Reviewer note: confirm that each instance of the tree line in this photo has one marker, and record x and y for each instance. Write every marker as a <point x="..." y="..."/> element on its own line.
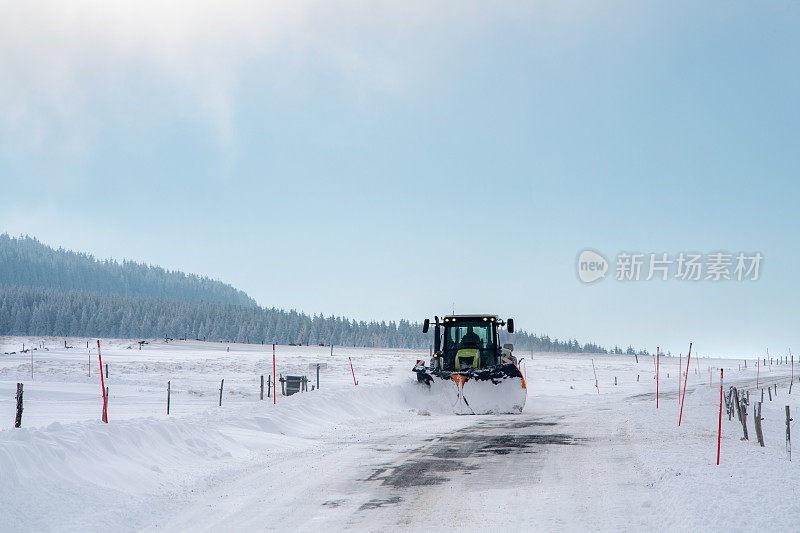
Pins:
<point x="50" y="312"/>
<point x="49" y="292"/>
<point x="26" y="262"/>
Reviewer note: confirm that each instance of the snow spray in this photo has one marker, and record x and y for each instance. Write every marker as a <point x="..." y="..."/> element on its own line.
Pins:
<point x="685" y="379"/>
<point x="102" y="384"/>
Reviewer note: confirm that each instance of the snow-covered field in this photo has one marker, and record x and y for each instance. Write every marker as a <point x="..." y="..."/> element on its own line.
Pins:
<point x="385" y="454"/>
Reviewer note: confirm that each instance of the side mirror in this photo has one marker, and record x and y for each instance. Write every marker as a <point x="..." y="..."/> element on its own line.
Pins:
<point x="510" y="325"/>
<point x="509" y="347"/>
<point x="426" y="325"/>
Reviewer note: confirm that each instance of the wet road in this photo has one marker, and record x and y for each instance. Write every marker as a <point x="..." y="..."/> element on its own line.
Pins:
<point x="497" y="454"/>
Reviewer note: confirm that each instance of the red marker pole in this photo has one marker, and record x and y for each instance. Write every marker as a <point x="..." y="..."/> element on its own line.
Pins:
<point x="274" y="383"/>
<point x="102" y="384"/>
<point x="595" y="378"/>
<point x="719" y="431"/>
<point x="353" y="372"/>
<point x="658" y="353"/>
<point x="685" y="379"/>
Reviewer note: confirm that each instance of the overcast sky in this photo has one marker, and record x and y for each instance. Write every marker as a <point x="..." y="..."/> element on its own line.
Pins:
<point x="400" y="159"/>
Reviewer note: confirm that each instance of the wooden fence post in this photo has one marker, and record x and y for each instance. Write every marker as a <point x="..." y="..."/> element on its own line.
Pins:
<point x="168" y="394"/>
<point x="743" y="405"/>
<point x="741" y="412"/>
<point x="269" y="386"/>
<point x="221" y="384"/>
<point x="769" y="391"/>
<point x="758" y="419"/>
<point x="729" y="403"/>
<point x="788" y="435"/>
<point x="18" y="419"/>
<point x="106" y="370"/>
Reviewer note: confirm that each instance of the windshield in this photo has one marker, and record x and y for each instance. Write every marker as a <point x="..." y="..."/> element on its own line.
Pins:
<point x="469" y="334"/>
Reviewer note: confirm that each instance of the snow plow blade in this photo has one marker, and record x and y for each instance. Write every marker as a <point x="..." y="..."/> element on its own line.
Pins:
<point x="497" y="390"/>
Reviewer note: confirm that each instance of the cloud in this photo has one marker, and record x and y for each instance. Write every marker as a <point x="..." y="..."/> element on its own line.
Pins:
<point x="72" y="68"/>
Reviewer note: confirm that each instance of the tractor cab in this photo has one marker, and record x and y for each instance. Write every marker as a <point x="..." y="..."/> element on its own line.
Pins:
<point x="468" y="341"/>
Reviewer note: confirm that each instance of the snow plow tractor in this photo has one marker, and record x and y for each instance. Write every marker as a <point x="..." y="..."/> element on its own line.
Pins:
<point x="470" y="367"/>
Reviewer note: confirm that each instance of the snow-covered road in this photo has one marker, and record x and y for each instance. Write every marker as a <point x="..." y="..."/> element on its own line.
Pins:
<point x="383" y="455"/>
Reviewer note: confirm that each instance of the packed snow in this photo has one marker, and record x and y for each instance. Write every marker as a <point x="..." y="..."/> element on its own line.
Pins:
<point x="386" y="453"/>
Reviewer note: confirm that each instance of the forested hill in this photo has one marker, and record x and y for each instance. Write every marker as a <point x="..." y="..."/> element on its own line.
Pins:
<point x="61" y="293"/>
<point x="26" y="262"/>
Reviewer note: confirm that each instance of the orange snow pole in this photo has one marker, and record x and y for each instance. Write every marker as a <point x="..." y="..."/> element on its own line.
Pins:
<point x="685" y="379"/>
<point x="719" y="431"/>
<point x="102" y="384"/>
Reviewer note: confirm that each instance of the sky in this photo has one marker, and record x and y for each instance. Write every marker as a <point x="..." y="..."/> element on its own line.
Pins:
<point x="397" y="160"/>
